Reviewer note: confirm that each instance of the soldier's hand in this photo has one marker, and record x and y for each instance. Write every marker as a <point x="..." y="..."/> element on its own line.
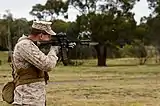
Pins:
<point x="56" y="49"/>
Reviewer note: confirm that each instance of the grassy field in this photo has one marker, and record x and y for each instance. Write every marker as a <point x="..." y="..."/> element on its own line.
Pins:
<point x="122" y="83"/>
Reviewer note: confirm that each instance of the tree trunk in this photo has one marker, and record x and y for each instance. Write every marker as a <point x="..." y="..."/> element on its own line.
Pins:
<point x="101" y="54"/>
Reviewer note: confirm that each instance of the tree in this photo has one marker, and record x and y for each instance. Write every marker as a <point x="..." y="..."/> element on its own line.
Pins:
<point x="52" y="9"/>
<point x="3" y="35"/>
<point x="142" y="33"/>
<point x="155" y="6"/>
<point x="60" y="26"/>
<point x="18" y="28"/>
<point x="8" y="20"/>
<point x="108" y="27"/>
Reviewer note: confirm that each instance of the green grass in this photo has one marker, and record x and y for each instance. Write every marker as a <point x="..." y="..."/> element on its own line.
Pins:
<point x="105" y="86"/>
<point x="122" y="83"/>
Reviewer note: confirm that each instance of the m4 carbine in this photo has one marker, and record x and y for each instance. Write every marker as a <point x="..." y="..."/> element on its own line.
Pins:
<point x="64" y="43"/>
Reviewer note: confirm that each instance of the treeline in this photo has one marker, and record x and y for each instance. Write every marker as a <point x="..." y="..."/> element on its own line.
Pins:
<point x="108" y="22"/>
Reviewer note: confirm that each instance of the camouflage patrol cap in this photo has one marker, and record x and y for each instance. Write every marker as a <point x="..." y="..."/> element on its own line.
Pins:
<point x="43" y="25"/>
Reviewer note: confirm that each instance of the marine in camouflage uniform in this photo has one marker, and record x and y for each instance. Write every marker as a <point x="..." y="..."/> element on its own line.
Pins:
<point x="27" y="54"/>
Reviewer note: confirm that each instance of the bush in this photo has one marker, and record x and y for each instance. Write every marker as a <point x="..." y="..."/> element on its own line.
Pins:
<point x="82" y="52"/>
<point x="125" y="52"/>
<point x="136" y="50"/>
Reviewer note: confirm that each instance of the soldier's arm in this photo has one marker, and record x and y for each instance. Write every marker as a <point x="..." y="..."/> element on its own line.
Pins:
<point x="31" y="53"/>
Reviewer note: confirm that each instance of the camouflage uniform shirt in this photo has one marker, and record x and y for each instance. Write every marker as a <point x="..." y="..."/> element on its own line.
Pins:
<point x="26" y="53"/>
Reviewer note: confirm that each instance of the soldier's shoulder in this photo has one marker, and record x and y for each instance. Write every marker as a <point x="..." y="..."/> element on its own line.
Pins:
<point x="24" y="43"/>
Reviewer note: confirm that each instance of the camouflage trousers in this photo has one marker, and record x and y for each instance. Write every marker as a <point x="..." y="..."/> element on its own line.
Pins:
<point x="33" y="94"/>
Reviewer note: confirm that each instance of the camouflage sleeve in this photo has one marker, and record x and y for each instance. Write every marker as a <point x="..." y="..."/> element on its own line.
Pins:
<point x="31" y="53"/>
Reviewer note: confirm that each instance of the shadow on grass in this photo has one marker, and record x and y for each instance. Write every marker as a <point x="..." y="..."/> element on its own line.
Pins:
<point x="127" y="65"/>
<point x="120" y="65"/>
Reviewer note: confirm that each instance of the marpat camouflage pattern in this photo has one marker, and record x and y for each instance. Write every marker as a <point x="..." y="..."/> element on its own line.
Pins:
<point x="26" y="54"/>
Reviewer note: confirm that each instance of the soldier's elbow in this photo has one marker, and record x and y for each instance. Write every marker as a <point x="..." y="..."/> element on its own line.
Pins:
<point x="51" y="66"/>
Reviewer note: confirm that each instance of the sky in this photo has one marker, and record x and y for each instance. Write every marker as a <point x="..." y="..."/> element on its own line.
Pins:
<point x="21" y="9"/>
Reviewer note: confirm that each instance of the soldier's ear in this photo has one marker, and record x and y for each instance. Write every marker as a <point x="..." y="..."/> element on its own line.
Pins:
<point x="41" y="36"/>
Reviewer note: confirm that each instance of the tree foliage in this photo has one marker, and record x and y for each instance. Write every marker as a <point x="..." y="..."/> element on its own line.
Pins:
<point x="51" y="8"/>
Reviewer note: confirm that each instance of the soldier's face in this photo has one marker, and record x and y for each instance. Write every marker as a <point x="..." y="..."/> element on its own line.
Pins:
<point x="45" y="37"/>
